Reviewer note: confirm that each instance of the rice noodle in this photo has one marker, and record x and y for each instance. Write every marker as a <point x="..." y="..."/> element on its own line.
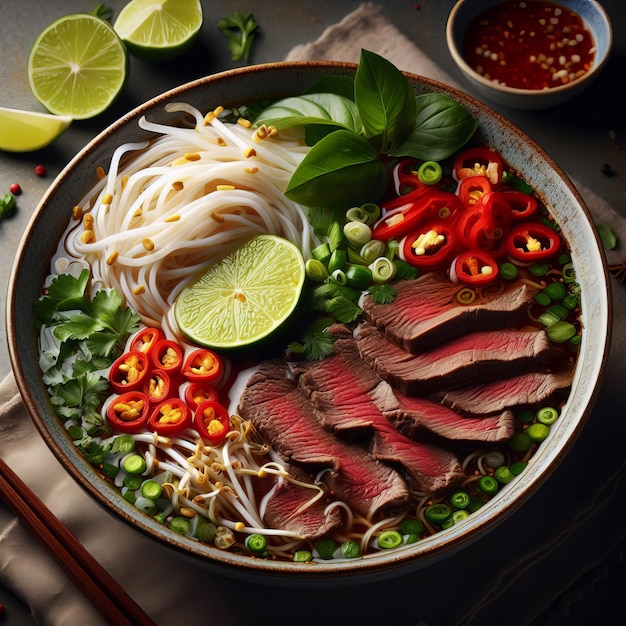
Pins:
<point x="170" y="208"/>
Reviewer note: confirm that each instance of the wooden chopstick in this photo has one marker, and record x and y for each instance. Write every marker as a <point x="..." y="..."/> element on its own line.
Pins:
<point x="96" y="583"/>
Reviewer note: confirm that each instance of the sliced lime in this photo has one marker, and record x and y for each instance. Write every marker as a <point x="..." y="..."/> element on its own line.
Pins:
<point x="77" y="66"/>
<point x="159" y="30"/>
<point x="245" y="297"/>
<point x="25" y="131"/>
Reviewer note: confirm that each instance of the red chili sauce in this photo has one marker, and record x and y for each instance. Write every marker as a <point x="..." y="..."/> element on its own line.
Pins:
<point x="529" y="45"/>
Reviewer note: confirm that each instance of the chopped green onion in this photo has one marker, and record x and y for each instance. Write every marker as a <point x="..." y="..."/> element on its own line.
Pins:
<point x="494" y="458"/>
<point x="372" y="210"/>
<point x="76" y="432"/>
<point x="538" y="269"/>
<point x="383" y="270"/>
<point x="339" y="277"/>
<point x="561" y="331"/>
<point x="389" y="539"/>
<point x="508" y="271"/>
<point x="321" y="252"/>
<point x="429" y="173"/>
<point x="337" y="260"/>
<point x="487" y="485"/>
<point x="517" y="467"/>
<point x="350" y="549"/>
<point x="357" y="214"/>
<point x="538" y="432"/>
<point x="326" y="548"/>
<point x="256" y="543"/>
<point x="553" y="314"/>
<point x="570" y="301"/>
<point x="525" y="416"/>
<point x="547" y="415"/>
<point x="503" y="475"/>
<point x="569" y="273"/>
<point x="128" y="495"/>
<point x="460" y="499"/>
<point x="205" y="531"/>
<point x="357" y="233"/>
<point x="180" y="525"/>
<point x="146" y="505"/>
<point x="437" y="513"/>
<point x="555" y="291"/>
<point x="459" y="516"/>
<point x="123" y="444"/>
<point x="302" y="556"/>
<point x="134" y="464"/>
<point x="411" y="526"/>
<point x="542" y="298"/>
<point x="316" y="270"/>
<point x="372" y="250"/>
<point x="224" y="537"/>
<point x="358" y="277"/>
<point x="132" y="482"/>
<point x="151" y="489"/>
<point x="520" y="442"/>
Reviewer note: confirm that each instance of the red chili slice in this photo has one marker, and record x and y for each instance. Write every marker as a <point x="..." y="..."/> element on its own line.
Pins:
<point x="203" y="365"/>
<point x="128" y="412"/>
<point x="522" y="204"/>
<point x="212" y="422"/>
<point x="479" y="161"/>
<point x="129" y="371"/>
<point x="431" y="246"/>
<point x="197" y="393"/>
<point x="157" y="386"/>
<point x="475" y="267"/>
<point x="145" y="339"/>
<point x="168" y="356"/>
<point x="406" y="184"/>
<point x="434" y="205"/>
<point x="170" y="417"/>
<point x="472" y="188"/>
<point x="532" y="241"/>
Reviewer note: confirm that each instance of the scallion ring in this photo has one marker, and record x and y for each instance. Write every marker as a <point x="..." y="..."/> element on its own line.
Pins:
<point x="372" y="250"/>
<point x="316" y="270"/>
<point x="383" y="270"/>
<point x="357" y="233"/>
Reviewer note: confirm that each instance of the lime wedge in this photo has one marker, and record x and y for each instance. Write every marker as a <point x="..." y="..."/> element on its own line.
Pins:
<point x="159" y="30"/>
<point x="25" y="131"/>
<point x="245" y="297"/>
<point x="77" y="66"/>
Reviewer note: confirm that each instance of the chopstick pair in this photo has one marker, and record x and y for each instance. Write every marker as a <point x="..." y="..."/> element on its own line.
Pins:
<point x="95" y="582"/>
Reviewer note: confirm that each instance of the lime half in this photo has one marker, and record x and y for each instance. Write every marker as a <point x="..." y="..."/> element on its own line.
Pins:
<point x="77" y="66"/>
<point x="25" y="131"/>
<point x="245" y="297"/>
<point x="159" y="30"/>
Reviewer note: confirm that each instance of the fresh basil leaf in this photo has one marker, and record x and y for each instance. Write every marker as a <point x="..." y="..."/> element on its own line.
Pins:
<point x="316" y="108"/>
<point x="385" y="100"/>
<point x="442" y="126"/>
<point x="340" y="85"/>
<point x="341" y="170"/>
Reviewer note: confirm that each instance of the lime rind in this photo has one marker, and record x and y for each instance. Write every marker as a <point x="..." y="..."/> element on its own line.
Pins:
<point x="246" y="297"/>
<point x="159" y="31"/>
<point x="27" y="131"/>
<point x="77" y="66"/>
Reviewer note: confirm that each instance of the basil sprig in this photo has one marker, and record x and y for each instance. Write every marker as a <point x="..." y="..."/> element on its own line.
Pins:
<point x="356" y="127"/>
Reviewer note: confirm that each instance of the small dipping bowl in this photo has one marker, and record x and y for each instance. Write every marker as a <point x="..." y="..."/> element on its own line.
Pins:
<point x="596" y="21"/>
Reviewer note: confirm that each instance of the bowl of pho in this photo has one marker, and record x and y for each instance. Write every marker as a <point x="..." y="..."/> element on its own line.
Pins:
<point x="291" y="332"/>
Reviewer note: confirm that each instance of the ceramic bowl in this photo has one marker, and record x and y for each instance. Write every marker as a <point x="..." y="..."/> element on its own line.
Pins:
<point x="596" y="20"/>
<point x="274" y="81"/>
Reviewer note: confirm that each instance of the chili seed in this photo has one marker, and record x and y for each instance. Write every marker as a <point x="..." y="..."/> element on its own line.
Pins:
<point x="41" y="170"/>
<point x="15" y="189"/>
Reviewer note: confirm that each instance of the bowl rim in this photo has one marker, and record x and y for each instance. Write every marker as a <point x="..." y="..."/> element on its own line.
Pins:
<point x="431" y="549"/>
<point x="459" y="59"/>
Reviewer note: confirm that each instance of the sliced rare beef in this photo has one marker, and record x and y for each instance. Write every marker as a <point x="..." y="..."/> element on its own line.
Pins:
<point x="283" y="416"/>
<point x="289" y="508"/>
<point x="425" y="312"/>
<point x="346" y="394"/>
<point x="474" y="358"/>
<point x="422" y="419"/>
<point x="525" y="389"/>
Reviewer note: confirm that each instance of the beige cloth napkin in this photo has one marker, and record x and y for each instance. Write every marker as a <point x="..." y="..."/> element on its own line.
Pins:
<point x="173" y="591"/>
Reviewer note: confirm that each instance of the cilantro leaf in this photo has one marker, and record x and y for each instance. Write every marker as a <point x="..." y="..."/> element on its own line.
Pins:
<point x="382" y="294"/>
<point x="240" y="29"/>
<point x="7" y="205"/>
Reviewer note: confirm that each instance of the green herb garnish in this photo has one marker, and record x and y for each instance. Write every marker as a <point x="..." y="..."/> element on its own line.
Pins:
<point x="354" y="139"/>
<point x="240" y="29"/>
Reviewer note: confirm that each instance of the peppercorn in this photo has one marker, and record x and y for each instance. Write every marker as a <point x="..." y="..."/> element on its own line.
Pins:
<point x="41" y="170"/>
<point x="15" y="189"/>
